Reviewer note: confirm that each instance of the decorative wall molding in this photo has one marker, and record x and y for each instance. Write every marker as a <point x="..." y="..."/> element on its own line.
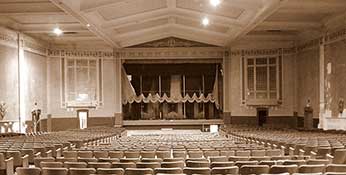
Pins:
<point x="169" y="53"/>
<point x="34" y="45"/>
<point x="262" y="52"/>
<point x="335" y="36"/>
<point x="8" y="38"/>
<point x="172" y="42"/>
<point x="80" y="53"/>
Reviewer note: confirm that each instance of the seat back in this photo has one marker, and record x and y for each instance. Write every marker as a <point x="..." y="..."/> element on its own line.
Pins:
<point x="139" y="171"/>
<point x="54" y="171"/>
<point x="116" y="171"/>
<point x="311" y="169"/>
<point x="75" y="164"/>
<point x="276" y="169"/>
<point x="191" y="170"/>
<point x="169" y="170"/>
<point x="51" y="164"/>
<point x="225" y="170"/>
<point x="82" y="171"/>
<point x="254" y="169"/>
<point x="28" y="171"/>
<point x="151" y="165"/>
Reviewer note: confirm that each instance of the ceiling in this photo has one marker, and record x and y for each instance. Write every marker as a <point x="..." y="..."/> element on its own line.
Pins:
<point x="124" y="23"/>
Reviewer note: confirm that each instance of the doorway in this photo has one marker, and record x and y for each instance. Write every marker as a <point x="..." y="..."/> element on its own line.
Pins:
<point x="83" y="116"/>
<point x="262" y="114"/>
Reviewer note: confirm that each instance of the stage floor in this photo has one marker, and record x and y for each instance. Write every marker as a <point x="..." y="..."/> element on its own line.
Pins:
<point x="172" y="122"/>
<point x="163" y="132"/>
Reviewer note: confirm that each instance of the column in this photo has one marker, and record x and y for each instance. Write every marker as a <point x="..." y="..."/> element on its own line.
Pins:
<point x="322" y="93"/>
<point x="227" y="86"/>
<point x="118" y="122"/>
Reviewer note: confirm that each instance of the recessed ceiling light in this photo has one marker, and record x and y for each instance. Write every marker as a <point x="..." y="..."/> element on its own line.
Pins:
<point x="215" y="3"/>
<point x="205" y="21"/>
<point x="57" y="31"/>
<point x="88" y="25"/>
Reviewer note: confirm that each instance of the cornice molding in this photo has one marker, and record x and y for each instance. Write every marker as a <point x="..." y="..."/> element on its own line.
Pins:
<point x="169" y="53"/>
<point x="80" y="53"/>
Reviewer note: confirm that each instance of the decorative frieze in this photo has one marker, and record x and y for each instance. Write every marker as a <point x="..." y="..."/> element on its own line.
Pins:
<point x="163" y="53"/>
<point x="80" y="53"/>
<point x="172" y="42"/>
<point x="8" y="38"/>
<point x="35" y="46"/>
<point x="336" y="36"/>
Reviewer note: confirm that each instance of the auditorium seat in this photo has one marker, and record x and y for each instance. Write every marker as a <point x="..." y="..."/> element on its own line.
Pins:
<point x="99" y="165"/>
<point x="225" y="170"/>
<point x="44" y="164"/>
<point x="339" y="156"/>
<point x="175" y="170"/>
<point x="318" y="162"/>
<point x="177" y="164"/>
<point x="116" y="154"/>
<point x="132" y="154"/>
<point x="218" y="159"/>
<point x="163" y="154"/>
<point x="254" y="169"/>
<point x="311" y="168"/>
<point x="116" y="171"/>
<point x="85" y="154"/>
<point x="241" y="163"/>
<point x="191" y="171"/>
<point x="179" y="154"/>
<point x="28" y="171"/>
<point x="82" y="171"/>
<point x="55" y="171"/>
<point x="197" y="164"/>
<point x="123" y="165"/>
<point x="38" y="160"/>
<point x="148" y="154"/>
<point x="100" y="154"/>
<point x="159" y="160"/>
<point x="277" y="169"/>
<point x="151" y="165"/>
<point x="75" y="164"/>
<point x="195" y="154"/>
<point x="221" y="164"/>
<point x="336" y="168"/>
<point x="138" y="171"/>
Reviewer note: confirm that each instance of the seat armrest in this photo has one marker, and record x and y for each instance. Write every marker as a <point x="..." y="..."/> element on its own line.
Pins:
<point x="9" y="166"/>
<point x="25" y="160"/>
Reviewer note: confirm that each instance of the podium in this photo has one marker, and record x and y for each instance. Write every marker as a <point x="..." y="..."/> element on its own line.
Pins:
<point x="308" y="118"/>
<point x="118" y="120"/>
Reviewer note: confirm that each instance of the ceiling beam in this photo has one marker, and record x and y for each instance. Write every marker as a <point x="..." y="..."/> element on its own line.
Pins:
<point x="287" y="25"/>
<point x="271" y="6"/>
<point x="136" y="17"/>
<point x="30" y="13"/>
<point x="144" y="31"/>
<point x="93" y="27"/>
<point x="218" y="18"/>
<point x="200" y="30"/>
<point x="244" y="4"/>
<point x="144" y="39"/>
<point x="97" y="4"/>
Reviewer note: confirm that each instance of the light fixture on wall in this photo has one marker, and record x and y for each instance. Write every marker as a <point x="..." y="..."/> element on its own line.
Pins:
<point x="215" y="3"/>
<point x="57" y="31"/>
<point x="205" y="21"/>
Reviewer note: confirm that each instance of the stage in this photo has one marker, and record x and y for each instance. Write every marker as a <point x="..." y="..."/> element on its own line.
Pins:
<point x="177" y="124"/>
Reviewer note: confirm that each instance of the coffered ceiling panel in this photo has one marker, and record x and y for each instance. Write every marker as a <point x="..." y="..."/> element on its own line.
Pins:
<point x="141" y="25"/>
<point x="124" y="23"/>
<point x="205" y="8"/>
<point x="127" y="8"/>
